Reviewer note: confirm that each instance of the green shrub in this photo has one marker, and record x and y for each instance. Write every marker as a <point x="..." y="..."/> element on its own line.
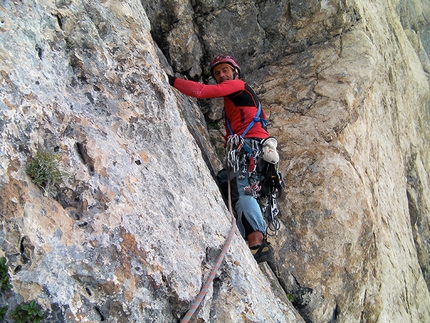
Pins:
<point x="4" y="276"/>
<point x="44" y="172"/>
<point x="24" y="313"/>
<point x="28" y="312"/>
<point x="3" y="311"/>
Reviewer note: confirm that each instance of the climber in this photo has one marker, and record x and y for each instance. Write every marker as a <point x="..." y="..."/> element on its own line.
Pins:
<point x="245" y="123"/>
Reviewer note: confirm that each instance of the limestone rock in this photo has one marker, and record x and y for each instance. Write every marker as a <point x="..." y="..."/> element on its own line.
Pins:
<point x="347" y="93"/>
<point x="139" y="221"/>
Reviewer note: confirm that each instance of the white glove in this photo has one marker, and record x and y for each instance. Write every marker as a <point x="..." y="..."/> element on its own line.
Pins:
<point x="270" y="154"/>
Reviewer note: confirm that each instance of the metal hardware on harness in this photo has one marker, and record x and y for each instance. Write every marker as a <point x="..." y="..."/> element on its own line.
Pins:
<point x="253" y="189"/>
<point x="233" y="148"/>
<point x="271" y="212"/>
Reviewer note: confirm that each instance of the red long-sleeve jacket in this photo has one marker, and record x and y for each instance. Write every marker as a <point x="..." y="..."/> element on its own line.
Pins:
<point x="240" y="104"/>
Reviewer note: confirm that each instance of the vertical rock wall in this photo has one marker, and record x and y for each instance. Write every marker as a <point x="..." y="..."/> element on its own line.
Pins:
<point x="346" y="87"/>
<point x="138" y="222"/>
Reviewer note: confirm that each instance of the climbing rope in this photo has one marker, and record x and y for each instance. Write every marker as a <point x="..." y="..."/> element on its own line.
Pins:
<point x="211" y="276"/>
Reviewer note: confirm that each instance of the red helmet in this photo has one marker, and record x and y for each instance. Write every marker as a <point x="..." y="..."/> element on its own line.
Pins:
<point x="224" y="59"/>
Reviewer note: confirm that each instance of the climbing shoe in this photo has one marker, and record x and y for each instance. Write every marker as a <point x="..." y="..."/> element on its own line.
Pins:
<point x="262" y="252"/>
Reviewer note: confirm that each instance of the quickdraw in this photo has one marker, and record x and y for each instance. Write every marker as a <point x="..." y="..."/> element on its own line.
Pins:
<point x="233" y="148"/>
<point x="271" y="213"/>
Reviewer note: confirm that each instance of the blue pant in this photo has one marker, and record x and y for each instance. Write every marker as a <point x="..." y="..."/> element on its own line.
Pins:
<point x="246" y="206"/>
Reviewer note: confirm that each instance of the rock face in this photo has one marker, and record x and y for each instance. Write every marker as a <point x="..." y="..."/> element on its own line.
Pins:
<point x="139" y="221"/>
<point x="136" y="226"/>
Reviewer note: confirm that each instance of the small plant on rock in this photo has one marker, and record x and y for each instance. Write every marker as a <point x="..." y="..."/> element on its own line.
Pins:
<point x="24" y="313"/>
<point x="4" y="276"/>
<point x="3" y="311"/>
<point x="44" y="172"/>
<point x="28" y="312"/>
